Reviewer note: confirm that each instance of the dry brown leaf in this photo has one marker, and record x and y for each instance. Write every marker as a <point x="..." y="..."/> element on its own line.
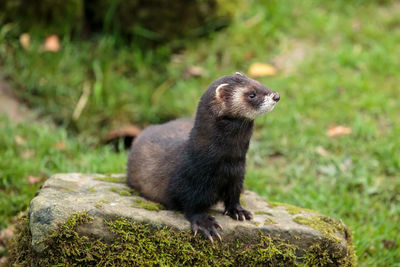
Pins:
<point x="33" y="179"/>
<point x="6" y="235"/>
<point x="389" y="243"/>
<point x="4" y="261"/>
<point x="338" y="130"/>
<point x="261" y="69"/>
<point x="194" y="71"/>
<point x="59" y="146"/>
<point x="321" y="151"/>
<point x="127" y="130"/>
<point x="125" y="133"/>
<point x="25" y="40"/>
<point x="19" y="140"/>
<point x="26" y="154"/>
<point x="52" y="43"/>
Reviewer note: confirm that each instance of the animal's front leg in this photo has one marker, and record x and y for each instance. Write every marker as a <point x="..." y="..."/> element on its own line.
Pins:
<point x="232" y="204"/>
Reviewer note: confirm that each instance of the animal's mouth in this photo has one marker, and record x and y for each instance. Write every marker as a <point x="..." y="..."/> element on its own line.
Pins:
<point x="269" y="103"/>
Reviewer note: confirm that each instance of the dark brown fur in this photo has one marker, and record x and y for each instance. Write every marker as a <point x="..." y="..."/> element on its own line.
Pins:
<point x="190" y="166"/>
<point x="154" y="157"/>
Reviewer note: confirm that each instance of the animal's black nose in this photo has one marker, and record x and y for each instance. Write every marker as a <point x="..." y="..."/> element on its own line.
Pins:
<point x="276" y="97"/>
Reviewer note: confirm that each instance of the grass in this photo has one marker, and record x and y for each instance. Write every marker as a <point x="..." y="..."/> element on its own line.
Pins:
<point x="31" y="150"/>
<point x="337" y="64"/>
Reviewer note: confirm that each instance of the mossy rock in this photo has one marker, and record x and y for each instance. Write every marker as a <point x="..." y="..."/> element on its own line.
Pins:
<point x="104" y="227"/>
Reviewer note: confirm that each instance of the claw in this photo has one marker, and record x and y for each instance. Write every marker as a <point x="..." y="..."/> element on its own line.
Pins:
<point x="237" y="217"/>
<point x="218" y="226"/>
<point x="207" y="226"/>
<point x="195" y="228"/>
<point x="219" y="237"/>
<point x="242" y="217"/>
<point x="225" y="212"/>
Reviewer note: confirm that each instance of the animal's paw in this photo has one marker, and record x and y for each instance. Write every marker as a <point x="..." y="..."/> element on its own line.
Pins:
<point x="206" y="225"/>
<point x="238" y="213"/>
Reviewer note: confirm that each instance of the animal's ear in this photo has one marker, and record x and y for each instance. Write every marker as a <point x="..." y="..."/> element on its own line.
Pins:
<point x="240" y="74"/>
<point x="220" y="91"/>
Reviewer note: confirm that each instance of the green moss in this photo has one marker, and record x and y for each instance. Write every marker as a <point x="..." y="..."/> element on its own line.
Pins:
<point x="134" y="192"/>
<point x="125" y="193"/>
<point x="20" y="251"/>
<point x="92" y="190"/>
<point x="351" y="258"/>
<point x="243" y="203"/>
<point x="293" y="210"/>
<point x="269" y="221"/>
<point x="135" y="244"/>
<point x="325" y="253"/>
<point x="99" y="206"/>
<point x="255" y="223"/>
<point x="147" y="205"/>
<point x="110" y="179"/>
<point x="104" y="201"/>
<point x="261" y="212"/>
<point x="328" y="226"/>
<point x="69" y="189"/>
<point x="114" y="189"/>
<point x="317" y="256"/>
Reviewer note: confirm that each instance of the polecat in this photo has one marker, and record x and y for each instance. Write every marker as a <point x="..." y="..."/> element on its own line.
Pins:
<point x="190" y="166"/>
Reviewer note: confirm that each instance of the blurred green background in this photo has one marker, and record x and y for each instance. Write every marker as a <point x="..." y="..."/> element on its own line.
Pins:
<point x="332" y="144"/>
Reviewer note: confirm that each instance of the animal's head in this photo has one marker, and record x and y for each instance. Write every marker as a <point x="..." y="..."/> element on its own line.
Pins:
<point x="240" y="96"/>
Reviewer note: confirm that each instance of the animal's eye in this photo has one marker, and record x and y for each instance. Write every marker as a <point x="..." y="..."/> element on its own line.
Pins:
<point x="252" y="95"/>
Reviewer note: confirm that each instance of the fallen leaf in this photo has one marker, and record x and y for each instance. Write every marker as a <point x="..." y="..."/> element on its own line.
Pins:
<point x="261" y="69"/>
<point x="6" y="235"/>
<point x="338" y="130"/>
<point x="25" y="40"/>
<point x="321" y="151"/>
<point x="127" y="130"/>
<point x="26" y="154"/>
<point x="4" y="261"/>
<point x="194" y="71"/>
<point x="33" y="180"/>
<point x="52" y="43"/>
<point x="59" y="146"/>
<point x="388" y="244"/>
<point x="19" y="140"/>
<point x="127" y="133"/>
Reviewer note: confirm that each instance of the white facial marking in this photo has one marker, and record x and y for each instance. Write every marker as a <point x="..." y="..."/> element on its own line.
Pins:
<point x="268" y="104"/>
<point x="237" y="97"/>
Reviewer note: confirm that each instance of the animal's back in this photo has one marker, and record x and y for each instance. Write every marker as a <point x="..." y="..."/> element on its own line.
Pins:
<point x="154" y="156"/>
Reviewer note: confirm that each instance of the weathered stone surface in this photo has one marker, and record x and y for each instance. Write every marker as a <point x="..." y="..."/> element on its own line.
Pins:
<point x="108" y="197"/>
